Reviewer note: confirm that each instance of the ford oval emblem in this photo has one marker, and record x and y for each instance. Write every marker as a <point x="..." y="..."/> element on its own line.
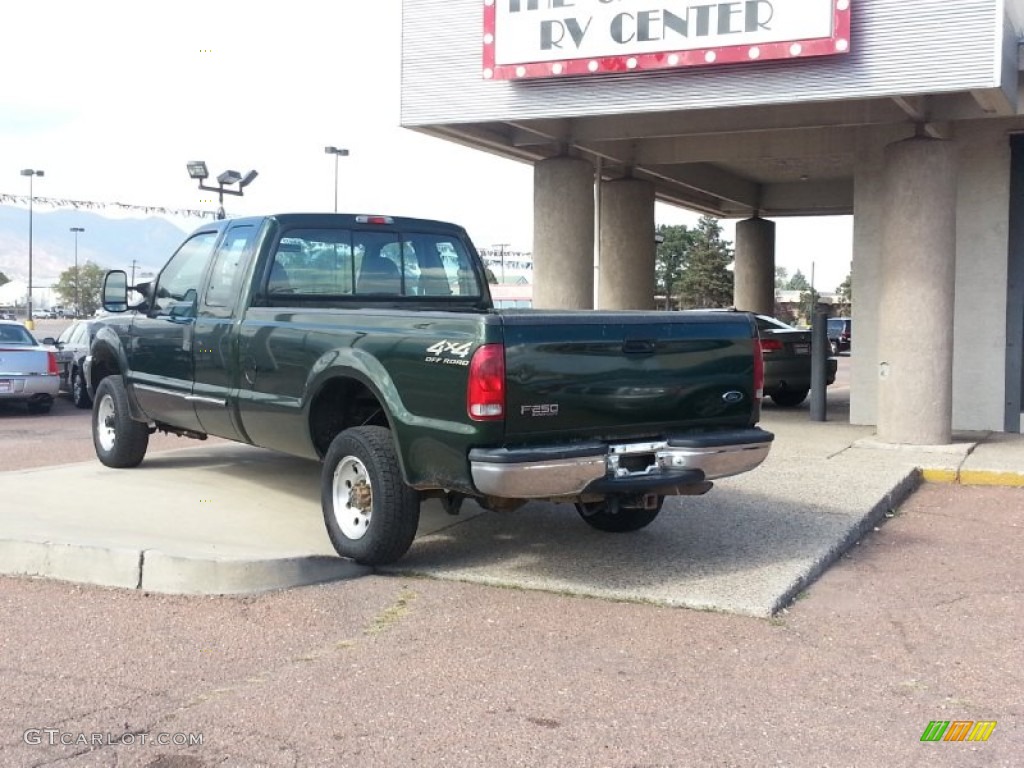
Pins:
<point x="732" y="396"/>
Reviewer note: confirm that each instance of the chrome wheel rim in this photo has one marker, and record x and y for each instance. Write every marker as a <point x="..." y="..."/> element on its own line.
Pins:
<point x="353" y="498"/>
<point x="76" y="387"/>
<point x="105" y="432"/>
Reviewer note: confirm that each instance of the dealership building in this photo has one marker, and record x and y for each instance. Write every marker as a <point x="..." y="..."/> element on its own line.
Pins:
<point x="905" y="114"/>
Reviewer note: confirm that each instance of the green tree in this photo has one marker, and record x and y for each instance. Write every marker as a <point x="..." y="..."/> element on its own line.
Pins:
<point x="90" y="284"/>
<point x="781" y="277"/>
<point x="798" y="282"/>
<point x="844" y="291"/>
<point x="706" y="280"/>
<point x="670" y="260"/>
<point x="4" y="279"/>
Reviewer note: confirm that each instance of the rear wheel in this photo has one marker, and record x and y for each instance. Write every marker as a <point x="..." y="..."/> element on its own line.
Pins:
<point x="603" y="517"/>
<point x="79" y="393"/>
<point x="790" y="397"/>
<point x="119" y="440"/>
<point x="370" y="513"/>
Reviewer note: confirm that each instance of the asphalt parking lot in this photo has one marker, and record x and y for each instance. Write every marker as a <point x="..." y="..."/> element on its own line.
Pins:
<point x="918" y="622"/>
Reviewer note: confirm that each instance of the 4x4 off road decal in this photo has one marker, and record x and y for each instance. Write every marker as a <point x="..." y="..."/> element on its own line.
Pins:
<point x="449" y="353"/>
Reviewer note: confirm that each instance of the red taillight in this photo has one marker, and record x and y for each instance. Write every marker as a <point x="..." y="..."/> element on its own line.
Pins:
<point x="51" y="364"/>
<point x="485" y="393"/>
<point x="759" y="367"/>
<point x="771" y="345"/>
<point x="375" y="220"/>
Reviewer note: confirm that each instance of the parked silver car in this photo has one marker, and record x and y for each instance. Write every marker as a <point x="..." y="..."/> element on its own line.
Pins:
<point x="28" y="369"/>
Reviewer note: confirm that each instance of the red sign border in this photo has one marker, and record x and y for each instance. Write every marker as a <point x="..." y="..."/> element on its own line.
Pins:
<point x="837" y="43"/>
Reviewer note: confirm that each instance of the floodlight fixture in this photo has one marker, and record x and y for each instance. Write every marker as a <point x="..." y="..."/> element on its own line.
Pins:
<point x="336" y="151"/>
<point x="197" y="170"/>
<point x="229" y="177"/>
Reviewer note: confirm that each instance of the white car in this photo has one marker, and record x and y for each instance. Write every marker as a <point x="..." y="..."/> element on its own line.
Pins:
<point x="28" y="369"/>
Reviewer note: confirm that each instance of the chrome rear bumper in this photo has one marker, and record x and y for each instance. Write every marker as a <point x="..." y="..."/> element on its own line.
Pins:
<point x="623" y="467"/>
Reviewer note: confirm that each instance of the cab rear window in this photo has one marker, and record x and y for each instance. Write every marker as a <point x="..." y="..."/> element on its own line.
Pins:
<point x="328" y="263"/>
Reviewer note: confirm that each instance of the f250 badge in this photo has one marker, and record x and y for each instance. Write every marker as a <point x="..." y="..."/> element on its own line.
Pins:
<point x="545" y="409"/>
<point x="439" y="353"/>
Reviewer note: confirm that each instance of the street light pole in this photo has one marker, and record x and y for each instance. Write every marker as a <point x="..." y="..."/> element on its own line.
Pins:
<point x="76" y="230"/>
<point x="337" y="152"/>
<point x="31" y="173"/>
<point x="501" y="247"/>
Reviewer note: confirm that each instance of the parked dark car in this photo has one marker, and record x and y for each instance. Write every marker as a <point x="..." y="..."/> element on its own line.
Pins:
<point x="72" y="347"/>
<point x="839" y="334"/>
<point x="787" y="361"/>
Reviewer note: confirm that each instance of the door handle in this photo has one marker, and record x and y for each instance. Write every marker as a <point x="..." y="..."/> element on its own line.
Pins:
<point x="638" y="347"/>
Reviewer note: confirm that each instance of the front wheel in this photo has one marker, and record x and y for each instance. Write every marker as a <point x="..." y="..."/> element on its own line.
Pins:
<point x="600" y="515"/>
<point x="370" y="513"/>
<point x="79" y="393"/>
<point x="119" y="440"/>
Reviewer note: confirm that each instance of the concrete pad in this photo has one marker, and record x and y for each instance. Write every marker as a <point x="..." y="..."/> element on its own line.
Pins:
<point x="228" y="519"/>
<point x="998" y="460"/>
<point x="220" y="519"/>
<point x="748" y="547"/>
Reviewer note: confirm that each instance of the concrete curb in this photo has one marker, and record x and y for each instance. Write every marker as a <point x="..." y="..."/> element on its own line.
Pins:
<point x="155" y="571"/>
<point x="81" y="563"/>
<point x="973" y="477"/>
<point x="181" y="575"/>
<point x="893" y="499"/>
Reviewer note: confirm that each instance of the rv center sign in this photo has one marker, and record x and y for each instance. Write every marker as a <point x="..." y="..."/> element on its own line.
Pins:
<point x="551" y="38"/>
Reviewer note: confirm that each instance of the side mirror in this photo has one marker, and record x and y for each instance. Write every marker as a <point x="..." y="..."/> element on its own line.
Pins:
<point x="49" y="341"/>
<point x="115" y="291"/>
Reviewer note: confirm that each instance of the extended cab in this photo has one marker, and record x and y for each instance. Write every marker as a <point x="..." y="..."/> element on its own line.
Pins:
<point x="370" y="343"/>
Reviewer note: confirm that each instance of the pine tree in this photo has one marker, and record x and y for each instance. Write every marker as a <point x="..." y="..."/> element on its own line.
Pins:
<point x="670" y="260"/>
<point x="706" y="280"/>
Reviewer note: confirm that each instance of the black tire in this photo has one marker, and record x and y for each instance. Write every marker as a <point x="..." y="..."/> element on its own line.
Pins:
<point x="370" y="513"/>
<point x="38" y="408"/>
<point x="119" y="440"/>
<point x="596" y="515"/>
<point x="789" y="398"/>
<point x="79" y="392"/>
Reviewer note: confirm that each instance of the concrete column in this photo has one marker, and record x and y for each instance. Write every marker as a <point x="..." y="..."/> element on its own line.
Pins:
<point x="563" y="234"/>
<point x="868" y="217"/>
<point x="754" y="272"/>
<point x="915" y="329"/>
<point x="627" y="245"/>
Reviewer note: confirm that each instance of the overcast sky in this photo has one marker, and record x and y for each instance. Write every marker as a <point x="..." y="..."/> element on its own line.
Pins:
<point x="111" y="99"/>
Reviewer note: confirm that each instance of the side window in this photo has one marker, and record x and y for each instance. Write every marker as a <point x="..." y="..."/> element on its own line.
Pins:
<point x="225" y="275"/>
<point x="66" y="334"/>
<point x="177" y="287"/>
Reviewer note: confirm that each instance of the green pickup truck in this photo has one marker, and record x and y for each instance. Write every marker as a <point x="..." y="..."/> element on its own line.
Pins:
<point x="370" y="343"/>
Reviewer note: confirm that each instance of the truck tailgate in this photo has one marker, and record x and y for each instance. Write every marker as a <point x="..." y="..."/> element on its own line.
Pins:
<point x="626" y="374"/>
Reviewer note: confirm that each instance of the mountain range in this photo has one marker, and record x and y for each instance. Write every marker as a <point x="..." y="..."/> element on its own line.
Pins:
<point x="108" y="242"/>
